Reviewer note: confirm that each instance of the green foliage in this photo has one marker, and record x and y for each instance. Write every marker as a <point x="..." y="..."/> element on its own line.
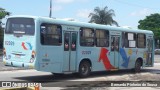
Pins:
<point x="3" y="13"/>
<point x="103" y="16"/>
<point x="151" y="22"/>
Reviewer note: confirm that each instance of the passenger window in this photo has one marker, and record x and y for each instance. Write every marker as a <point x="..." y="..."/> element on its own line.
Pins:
<point x="130" y="40"/>
<point x="141" y="40"/>
<point x="86" y="37"/>
<point x="51" y="34"/>
<point x="102" y="38"/>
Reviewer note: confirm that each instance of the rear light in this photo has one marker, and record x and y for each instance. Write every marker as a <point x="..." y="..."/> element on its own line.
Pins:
<point x="4" y="52"/>
<point x="32" y="56"/>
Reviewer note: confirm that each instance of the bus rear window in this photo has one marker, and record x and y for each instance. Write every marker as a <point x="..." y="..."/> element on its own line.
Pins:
<point x="25" y="26"/>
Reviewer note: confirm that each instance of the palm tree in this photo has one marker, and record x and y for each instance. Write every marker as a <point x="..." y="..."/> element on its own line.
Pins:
<point x="103" y="16"/>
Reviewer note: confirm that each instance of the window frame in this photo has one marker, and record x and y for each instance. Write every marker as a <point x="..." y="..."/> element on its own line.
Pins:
<point x="126" y="41"/>
<point x="143" y="39"/>
<point x="50" y="34"/>
<point x="12" y="31"/>
<point x="93" y="38"/>
<point x="107" y="38"/>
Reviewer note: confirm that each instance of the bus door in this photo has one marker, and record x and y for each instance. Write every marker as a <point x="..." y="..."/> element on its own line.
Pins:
<point x="114" y="50"/>
<point x="70" y="44"/>
<point x="149" y="60"/>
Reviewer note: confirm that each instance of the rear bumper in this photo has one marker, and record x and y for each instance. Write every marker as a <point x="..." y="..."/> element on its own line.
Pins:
<point x="18" y="64"/>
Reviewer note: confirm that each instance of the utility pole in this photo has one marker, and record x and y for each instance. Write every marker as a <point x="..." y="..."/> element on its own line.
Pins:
<point x="50" y="12"/>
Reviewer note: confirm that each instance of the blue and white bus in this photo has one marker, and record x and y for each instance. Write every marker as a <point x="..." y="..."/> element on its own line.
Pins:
<point x="61" y="47"/>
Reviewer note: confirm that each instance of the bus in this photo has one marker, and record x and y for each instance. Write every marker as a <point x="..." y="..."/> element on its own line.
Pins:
<point x="65" y="47"/>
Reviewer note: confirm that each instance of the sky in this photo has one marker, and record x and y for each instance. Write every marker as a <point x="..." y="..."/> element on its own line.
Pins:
<point x="127" y="12"/>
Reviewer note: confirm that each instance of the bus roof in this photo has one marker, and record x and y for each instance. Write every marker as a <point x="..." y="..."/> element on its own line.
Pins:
<point x="83" y="24"/>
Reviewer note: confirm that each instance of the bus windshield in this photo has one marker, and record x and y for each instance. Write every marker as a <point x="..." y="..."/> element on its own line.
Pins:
<point x="25" y="26"/>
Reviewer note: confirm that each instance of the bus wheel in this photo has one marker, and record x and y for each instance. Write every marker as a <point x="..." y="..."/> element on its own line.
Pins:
<point x="137" y="68"/>
<point x="84" y="69"/>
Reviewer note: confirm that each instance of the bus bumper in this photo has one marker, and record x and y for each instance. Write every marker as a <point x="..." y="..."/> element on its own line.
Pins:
<point x="18" y="64"/>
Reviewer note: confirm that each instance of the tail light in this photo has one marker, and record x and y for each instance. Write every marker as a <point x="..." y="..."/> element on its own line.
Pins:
<point x="32" y="56"/>
<point x="4" y="52"/>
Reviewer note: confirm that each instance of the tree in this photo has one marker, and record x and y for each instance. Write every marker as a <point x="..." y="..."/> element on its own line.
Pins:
<point x="151" y="22"/>
<point x="3" y="14"/>
<point x="103" y="16"/>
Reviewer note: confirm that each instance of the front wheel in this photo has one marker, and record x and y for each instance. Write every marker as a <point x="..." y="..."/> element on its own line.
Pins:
<point x="137" y="68"/>
<point x="84" y="69"/>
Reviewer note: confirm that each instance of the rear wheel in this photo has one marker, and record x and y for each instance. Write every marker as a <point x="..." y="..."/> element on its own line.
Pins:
<point x="84" y="69"/>
<point x="137" y="68"/>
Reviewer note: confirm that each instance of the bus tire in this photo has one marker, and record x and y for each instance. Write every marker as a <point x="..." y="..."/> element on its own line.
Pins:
<point x="84" y="69"/>
<point x="137" y="68"/>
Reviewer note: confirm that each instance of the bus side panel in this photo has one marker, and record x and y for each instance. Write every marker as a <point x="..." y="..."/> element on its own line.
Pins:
<point x="50" y="59"/>
<point x="132" y="54"/>
<point x="91" y="53"/>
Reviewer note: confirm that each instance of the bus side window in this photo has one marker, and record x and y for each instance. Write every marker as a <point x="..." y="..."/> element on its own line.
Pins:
<point x="130" y="40"/>
<point x="43" y="32"/>
<point x="141" y="40"/>
<point x="60" y="34"/>
<point x="102" y="38"/>
<point x="87" y="37"/>
<point x="51" y="34"/>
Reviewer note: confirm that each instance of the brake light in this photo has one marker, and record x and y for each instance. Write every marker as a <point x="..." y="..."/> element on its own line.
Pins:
<point x="4" y="51"/>
<point x="33" y="54"/>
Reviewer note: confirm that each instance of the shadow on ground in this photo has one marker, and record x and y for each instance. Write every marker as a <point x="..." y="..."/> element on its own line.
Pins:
<point x="70" y="80"/>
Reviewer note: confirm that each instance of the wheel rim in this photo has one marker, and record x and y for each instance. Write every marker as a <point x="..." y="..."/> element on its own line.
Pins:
<point x="84" y="69"/>
<point x="138" y="66"/>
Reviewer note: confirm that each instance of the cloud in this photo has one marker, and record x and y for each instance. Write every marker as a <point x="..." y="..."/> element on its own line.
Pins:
<point x="143" y="12"/>
<point x="83" y="13"/>
<point x="64" y="1"/>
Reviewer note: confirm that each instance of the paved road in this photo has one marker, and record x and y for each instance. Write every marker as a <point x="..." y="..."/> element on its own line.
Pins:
<point x="47" y="79"/>
<point x="147" y="74"/>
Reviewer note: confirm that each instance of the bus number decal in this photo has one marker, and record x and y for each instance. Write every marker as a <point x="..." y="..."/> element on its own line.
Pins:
<point x="11" y="43"/>
<point x="86" y="52"/>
